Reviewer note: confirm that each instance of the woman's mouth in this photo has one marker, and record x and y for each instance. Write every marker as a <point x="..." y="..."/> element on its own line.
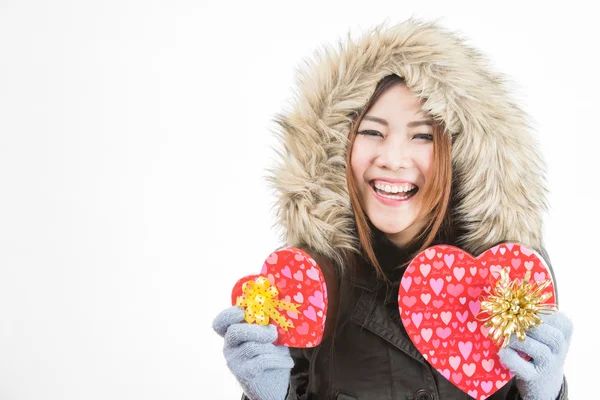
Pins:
<point x="394" y="193"/>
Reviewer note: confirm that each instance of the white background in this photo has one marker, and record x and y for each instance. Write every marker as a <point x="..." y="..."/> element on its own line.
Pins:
<point x="134" y="137"/>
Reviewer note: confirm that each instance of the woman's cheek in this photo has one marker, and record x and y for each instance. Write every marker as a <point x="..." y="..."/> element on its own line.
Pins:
<point x="427" y="160"/>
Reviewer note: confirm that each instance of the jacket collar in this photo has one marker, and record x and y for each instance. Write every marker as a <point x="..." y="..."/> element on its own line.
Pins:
<point x="392" y="259"/>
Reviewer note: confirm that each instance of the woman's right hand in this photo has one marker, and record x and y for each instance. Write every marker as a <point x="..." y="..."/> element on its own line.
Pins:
<point x="261" y="368"/>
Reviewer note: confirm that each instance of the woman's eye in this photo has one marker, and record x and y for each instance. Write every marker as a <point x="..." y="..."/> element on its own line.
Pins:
<point x="424" y="136"/>
<point x="370" y="133"/>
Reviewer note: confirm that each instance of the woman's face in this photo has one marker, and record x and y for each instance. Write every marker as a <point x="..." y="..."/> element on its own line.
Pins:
<point x="391" y="155"/>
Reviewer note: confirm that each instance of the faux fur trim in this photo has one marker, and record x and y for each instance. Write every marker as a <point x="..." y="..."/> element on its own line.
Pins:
<point x="496" y="161"/>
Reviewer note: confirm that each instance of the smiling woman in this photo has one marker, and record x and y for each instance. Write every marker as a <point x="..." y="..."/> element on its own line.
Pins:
<point x="397" y="141"/>
<point x="396" y="147"/>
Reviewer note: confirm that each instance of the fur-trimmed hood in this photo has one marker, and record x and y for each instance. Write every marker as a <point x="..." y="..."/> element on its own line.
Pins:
<point x="497" y="167"/>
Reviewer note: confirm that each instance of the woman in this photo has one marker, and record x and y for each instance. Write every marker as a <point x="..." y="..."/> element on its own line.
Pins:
<point x="397" y="142"/>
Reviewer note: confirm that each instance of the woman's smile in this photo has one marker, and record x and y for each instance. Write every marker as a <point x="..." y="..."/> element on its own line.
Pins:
<point x="393" y="195"/>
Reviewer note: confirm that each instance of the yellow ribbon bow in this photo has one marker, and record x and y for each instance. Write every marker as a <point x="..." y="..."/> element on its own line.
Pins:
<point x="513" y="307"/>
<point x="260" y="303"/>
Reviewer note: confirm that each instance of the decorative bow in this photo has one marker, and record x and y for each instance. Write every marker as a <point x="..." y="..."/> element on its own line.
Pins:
<point x="260" y="303"/>
<point x="513" y="307"/>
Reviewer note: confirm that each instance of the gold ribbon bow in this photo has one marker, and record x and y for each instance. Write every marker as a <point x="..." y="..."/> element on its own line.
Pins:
<point x="260" y="303"/>
<point x="513" y="307"/>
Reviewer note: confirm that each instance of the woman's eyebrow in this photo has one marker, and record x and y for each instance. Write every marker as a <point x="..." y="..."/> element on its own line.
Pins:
<point x="418" y="123"/>
<point x="375" y="119"/>
<point x="410" y="124"/>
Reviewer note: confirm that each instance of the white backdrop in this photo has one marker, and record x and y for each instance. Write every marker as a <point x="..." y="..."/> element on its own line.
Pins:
<point x="134" y="137"/>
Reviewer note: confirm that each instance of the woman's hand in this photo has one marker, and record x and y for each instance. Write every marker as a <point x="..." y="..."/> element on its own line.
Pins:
<point x="261" y="368"/>
<point x="541" y="377"/>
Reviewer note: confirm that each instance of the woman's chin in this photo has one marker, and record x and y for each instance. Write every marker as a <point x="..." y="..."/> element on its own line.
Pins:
<point x="399" y="233"/>
<point x="391" y="229"/>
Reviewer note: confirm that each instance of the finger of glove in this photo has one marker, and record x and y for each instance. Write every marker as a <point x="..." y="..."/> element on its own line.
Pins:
<point x="524" y="370"/>
<point x="560" y="321"/>
<point x="248" y="350"/>
<point x="243" y="332"/>
<point x="253" y="353"/>
<point x="539" y="352"/>
<point x="226" y="318"/>
<point x="549" y="335"/>
<point x="262" y="363"/>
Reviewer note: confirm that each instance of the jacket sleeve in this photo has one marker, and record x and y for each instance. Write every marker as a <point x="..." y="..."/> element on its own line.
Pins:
<point x="513" y="394"/>
<point x="299" y="375"/>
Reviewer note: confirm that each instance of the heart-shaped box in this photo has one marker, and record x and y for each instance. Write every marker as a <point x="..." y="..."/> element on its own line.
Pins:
<point x="439" y="299"/>
<point x="298" y="280"/>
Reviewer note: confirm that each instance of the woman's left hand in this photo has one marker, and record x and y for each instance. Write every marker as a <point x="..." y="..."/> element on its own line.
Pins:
<point x="541" y="377"/>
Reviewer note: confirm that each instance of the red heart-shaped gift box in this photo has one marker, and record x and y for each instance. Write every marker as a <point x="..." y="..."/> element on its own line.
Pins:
<point x="439" y="299"/>
<point x="298" y="280"/>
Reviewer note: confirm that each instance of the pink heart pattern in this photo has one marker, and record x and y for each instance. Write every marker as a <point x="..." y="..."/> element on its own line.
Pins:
<point x="467" y="358"/>
<point x="284" y="269"/>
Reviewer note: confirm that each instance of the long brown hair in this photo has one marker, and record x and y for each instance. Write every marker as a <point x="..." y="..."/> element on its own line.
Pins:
<point x="436" y="195"/>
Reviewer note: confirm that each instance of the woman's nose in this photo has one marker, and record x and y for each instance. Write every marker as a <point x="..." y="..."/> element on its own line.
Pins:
<point x="394" y="155"/>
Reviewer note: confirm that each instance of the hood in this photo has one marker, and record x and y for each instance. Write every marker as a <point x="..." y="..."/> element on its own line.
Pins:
<point x="497" y="168"/>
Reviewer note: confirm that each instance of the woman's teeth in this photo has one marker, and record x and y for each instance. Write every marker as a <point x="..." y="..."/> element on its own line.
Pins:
<point x="388" y="191"/>
<point x="395" y="188"/>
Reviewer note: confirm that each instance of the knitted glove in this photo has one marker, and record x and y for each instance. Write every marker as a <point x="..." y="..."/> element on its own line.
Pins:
<point x="261" y="368"/>
<point x="541" y="377"/>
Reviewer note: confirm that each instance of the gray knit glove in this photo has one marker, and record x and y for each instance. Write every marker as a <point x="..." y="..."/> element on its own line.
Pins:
<point x="261" y="368"/>
<point x="540" y="378"/>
